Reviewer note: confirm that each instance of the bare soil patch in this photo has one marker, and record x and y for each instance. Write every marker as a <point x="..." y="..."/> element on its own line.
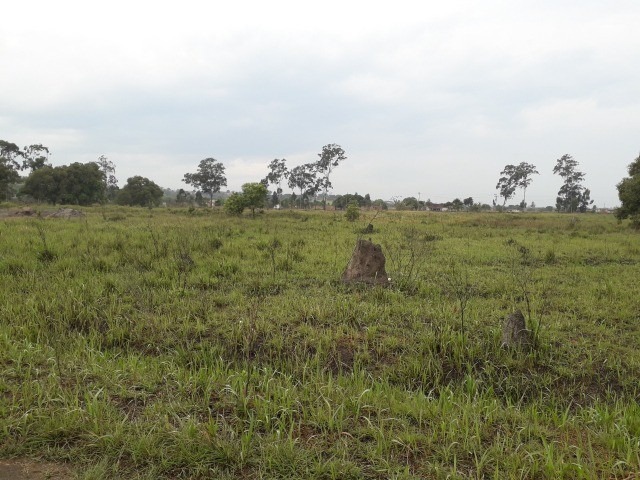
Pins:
<point x="18" y="213"/>
<point x="24" y="469"/>
<point x="27" y="212"/>
<point x="66" y="213"/>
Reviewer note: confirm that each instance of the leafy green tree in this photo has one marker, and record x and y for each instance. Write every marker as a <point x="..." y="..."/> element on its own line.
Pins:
<point x="634" y="167"/>
<point x="235" y="204"/>
<point x="304" y="177"/>
<point x="629" y="194"/>
<point x="255" y="196"/>
<point x="456" y="204"/>
<point x="277" y="172"/>
<point x="584" y="201"/>
<point x="110" y="181"/>
<point x="514" y="177"/>
<point x="209" y="178"/>
<point x="140" y="191"/>
<point x="181" y="197"/>
<point x="507" y="183"/>
<point x="380" y="204"/>
<point x="10" y="152"/>
<point x="330" y="157"/>
<point x="80" y="184"/>
<point x="8" y="176"/>
<point x="43" y="184"/>
<point x="76" y="184"/>
<point x="275" y="199"/>
<point x="9" y="166"/>
<point x="409" y="203"/>
<point x="524" y="172"/>
<point x="35" y="157"/>
<point x="572" y="196"/>
<point x="342" y="201"/>
<point x="184" y="198"/>
<point x="468" y="202"/>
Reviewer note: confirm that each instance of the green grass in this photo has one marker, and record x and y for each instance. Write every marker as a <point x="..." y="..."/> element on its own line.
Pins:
<point x="153" y="344"/>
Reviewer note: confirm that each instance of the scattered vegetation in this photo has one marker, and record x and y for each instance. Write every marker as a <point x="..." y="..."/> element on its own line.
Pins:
<point x="173" y="345"/>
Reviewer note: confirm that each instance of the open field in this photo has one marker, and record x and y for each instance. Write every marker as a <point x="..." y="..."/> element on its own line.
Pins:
<point x="146" y="344"/>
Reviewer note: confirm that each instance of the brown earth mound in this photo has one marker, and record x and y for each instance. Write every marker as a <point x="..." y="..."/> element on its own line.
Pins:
<point x="23" y="212"/>
<point x="366" y="265"/>
<point x="514" y="331"/>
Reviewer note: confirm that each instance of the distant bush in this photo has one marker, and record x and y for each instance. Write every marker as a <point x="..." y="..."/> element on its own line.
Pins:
<point x="353" y="212"/>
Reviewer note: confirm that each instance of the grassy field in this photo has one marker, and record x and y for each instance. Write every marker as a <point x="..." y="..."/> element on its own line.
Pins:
<point x="168" y="343"/>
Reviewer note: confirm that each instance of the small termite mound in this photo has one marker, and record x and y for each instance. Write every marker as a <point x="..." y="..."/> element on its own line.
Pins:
<point x="514" y="331"/>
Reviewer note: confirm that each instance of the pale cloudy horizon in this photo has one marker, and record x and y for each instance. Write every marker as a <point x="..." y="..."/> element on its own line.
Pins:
<point x="425" y="97"/>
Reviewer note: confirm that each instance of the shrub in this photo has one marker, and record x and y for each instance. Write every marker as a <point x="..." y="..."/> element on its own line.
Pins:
<point x="353" y="212"/>
<point x="235" y="204"/>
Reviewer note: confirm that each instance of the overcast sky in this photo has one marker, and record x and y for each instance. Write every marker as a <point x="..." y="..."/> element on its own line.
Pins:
<point x="429" y="98"/>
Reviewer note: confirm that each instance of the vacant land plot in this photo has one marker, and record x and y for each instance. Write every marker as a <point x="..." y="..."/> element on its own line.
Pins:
<point x="187" y="344"/>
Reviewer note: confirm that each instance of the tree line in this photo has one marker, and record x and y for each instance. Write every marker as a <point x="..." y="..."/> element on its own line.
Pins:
<point x="75" y="184"/>
<point x="309" y="179"/>
<point x="95" y="182"/>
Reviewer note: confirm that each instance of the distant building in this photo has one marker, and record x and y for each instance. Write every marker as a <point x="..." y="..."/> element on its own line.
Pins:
<point x="436" y="207"/>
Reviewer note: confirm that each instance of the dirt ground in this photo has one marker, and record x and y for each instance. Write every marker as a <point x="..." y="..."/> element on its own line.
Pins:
<point x="48" y="213"/>
<point x="22" y="469"/>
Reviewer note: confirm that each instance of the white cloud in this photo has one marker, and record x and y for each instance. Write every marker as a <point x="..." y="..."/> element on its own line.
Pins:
<point x="447" y="92"/>
<point x="584" y="114"/>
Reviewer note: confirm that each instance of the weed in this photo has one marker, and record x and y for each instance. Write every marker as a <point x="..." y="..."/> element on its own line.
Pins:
<point x="215" y="244"/>
<point x="45" y="255"/>
<point x="407" y="256"/>
<point x="550" y="256"/>
<point x="459" y="285"/>
<point x="270" y="248"/>
<point x="522" y="267"/>
<point x="184" y="262"/>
